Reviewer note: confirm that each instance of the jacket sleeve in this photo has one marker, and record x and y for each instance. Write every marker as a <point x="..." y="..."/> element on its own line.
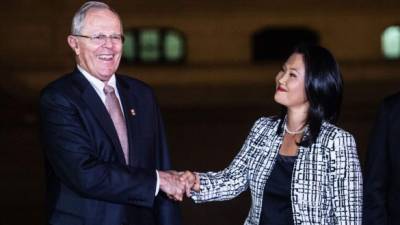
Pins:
<point x="230" y="182"/>
<point x="346" y="177"/>
<point x="167" y="211"/>
<point x="376" y="172"/>
<point x="72" y="156"/>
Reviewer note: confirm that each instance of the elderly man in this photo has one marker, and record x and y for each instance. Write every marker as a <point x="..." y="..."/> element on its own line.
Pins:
<point x="103" y="136"/>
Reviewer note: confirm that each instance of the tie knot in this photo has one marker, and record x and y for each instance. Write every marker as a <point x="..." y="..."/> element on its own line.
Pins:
<point x="108" y="89"/>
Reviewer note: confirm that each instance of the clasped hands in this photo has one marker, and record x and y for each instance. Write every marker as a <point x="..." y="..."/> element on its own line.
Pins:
<point x="176" y="184"/>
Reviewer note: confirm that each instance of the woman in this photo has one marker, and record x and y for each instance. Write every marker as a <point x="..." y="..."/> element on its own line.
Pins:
<point x="300" y="167"/>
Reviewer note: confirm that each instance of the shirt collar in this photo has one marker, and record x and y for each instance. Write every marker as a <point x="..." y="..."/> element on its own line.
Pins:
<point x="96" y="83"/>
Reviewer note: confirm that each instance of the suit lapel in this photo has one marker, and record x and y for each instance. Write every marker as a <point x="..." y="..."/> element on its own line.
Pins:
<point x="96" y="106"/>
<point x="129" y="102"/>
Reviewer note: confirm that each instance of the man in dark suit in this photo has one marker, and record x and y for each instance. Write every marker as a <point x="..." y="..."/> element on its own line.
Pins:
<point x="382" y="168"/>
<point x="103" y="136"/>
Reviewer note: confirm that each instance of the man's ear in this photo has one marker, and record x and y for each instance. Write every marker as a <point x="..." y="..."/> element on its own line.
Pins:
<point x="73" y="43"/>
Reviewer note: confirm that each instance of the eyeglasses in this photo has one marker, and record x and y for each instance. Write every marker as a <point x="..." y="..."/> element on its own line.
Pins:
<point x="101" y="39"/>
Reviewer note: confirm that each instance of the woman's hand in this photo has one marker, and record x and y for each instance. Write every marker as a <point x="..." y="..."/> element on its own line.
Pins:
<point x="192" y="182"/>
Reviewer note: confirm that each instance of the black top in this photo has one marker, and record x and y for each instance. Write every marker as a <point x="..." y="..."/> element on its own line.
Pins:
<point x="277" y="207"/>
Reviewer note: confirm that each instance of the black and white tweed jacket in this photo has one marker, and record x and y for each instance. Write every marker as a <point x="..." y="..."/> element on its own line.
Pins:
<point x="326" y="183"/>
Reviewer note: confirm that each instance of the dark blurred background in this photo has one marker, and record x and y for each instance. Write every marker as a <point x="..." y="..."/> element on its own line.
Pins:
<point x="212" y="65"/>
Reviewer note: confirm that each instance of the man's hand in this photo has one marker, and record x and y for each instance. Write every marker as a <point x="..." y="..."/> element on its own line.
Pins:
<point x="172" y="185"/>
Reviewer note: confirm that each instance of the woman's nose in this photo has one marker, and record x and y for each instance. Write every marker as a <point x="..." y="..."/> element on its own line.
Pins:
<point x="282" y="79"/>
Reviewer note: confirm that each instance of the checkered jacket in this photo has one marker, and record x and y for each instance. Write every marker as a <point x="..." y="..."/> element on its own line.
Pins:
<point x="326" y="185"/>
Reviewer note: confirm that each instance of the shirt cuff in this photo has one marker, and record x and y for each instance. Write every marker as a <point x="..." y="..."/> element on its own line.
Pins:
<point x="158" y="184"/>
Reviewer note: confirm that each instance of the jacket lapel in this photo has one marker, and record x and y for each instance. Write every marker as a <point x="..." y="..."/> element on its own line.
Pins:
<point x="128" y="102"/>
<point x="96" y="106"/>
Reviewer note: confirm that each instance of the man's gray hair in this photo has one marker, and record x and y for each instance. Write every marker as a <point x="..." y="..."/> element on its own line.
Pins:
<point x="79" y="17"/>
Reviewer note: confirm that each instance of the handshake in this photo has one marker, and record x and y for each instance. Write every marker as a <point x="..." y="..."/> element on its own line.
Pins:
<point x="176" y="184"/>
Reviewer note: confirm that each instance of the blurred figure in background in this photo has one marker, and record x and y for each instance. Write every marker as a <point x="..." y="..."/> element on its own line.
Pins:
<point x="103" y="136"/>
<point x="382" y="168"/>
<point x="299" y="166"/>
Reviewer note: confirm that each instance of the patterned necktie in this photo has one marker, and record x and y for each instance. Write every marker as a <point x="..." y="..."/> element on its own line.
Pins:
<point x="114" y="109"/>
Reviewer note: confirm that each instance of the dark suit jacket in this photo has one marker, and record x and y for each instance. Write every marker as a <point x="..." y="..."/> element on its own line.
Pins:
<point x="382" y="170"/>
<point x="88" y="181"/>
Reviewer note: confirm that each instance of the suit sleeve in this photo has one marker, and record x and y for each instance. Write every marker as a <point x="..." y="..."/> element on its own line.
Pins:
<point x="347" y="180"/>
<point x="167" y="211"/>
<point x="376" y="172"/>
<point x="72" y="156"/>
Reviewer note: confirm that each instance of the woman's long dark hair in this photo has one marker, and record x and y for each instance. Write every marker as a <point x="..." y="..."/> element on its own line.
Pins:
<point x="323" y="86"/>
